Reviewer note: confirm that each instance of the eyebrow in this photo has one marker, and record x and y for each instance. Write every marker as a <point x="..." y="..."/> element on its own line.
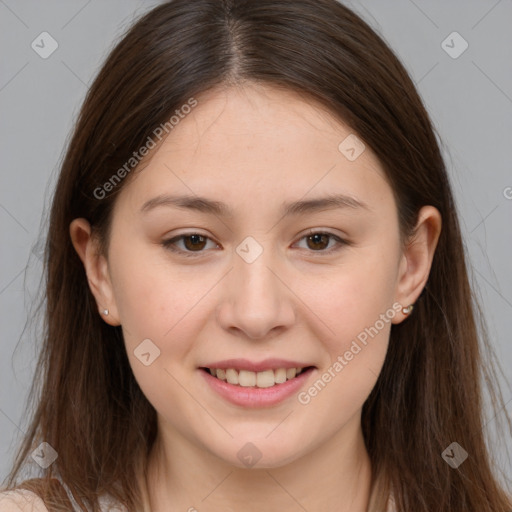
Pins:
<point x="218" y="208"/>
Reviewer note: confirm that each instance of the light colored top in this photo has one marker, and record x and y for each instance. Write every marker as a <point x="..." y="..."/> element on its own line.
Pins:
<point x="21" y="499"/>
<point x="27" y="501"/>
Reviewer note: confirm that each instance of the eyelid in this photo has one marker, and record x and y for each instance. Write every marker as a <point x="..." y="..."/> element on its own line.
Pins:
<point x="340" y="241"/>
<point x="169" y="243"/>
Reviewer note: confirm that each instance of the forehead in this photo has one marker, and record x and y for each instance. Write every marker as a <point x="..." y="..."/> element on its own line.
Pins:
<point x="259" y="141"/>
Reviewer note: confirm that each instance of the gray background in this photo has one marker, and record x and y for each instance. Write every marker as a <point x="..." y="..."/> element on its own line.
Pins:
<point x="469" y="99"/>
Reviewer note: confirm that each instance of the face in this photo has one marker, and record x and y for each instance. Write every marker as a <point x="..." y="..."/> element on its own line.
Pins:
<point x="262" y="277"/>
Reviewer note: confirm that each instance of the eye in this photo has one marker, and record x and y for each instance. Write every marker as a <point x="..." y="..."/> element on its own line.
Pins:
<point x="194" y="243"/>
<point x="318" y="241"/>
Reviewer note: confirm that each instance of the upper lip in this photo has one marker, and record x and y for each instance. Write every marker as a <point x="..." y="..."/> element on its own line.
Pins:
<point x="253" y="366"/>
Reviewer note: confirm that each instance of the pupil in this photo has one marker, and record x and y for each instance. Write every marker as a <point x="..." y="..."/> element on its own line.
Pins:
<point x="195" y="239"/>
<point x="315" y="238"/>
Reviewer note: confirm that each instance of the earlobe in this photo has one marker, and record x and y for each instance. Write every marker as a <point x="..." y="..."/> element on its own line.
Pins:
<point x="96" y="269"/>
<point x="417" y="259"/>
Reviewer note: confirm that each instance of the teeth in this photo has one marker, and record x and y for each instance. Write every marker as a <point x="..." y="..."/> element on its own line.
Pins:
<point x="264" y="379"/>
<point x="280" y="375"/>
<point x="291" y="372"/>
<point x="246" y="378"/>
<point x="231" y="376"/>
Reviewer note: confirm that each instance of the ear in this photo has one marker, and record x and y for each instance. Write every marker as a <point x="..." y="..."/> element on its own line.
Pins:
<point x="96" y="268"/>
<point x="417" y="258"/>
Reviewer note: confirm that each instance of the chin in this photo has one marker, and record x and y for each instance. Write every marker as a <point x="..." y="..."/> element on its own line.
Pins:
<point x="259" y="453"/>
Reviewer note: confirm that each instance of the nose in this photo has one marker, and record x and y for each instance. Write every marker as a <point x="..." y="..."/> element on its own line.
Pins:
<point x="256" y="299"/>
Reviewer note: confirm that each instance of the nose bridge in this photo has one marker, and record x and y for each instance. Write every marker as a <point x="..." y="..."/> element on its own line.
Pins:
<point x="257" y="300"/>
<point x="254" y="278"/>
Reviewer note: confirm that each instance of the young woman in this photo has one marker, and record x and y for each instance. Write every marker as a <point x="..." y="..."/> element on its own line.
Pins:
<point x="257" y="297"/>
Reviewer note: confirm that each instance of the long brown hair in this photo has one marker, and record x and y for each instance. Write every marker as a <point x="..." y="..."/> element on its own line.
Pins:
<point x="88" y="406"/>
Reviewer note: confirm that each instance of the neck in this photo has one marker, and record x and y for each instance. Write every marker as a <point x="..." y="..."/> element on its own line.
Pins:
<point x="334" y="476"/>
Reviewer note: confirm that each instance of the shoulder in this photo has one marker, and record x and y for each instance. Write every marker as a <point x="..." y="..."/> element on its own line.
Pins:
<point x="21" y="500"/>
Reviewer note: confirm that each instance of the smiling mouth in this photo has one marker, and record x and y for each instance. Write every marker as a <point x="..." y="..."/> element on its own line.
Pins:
<point x="264" y="379"/>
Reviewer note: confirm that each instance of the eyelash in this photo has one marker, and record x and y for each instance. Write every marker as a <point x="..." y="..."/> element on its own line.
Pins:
<point x="169" y="244"/>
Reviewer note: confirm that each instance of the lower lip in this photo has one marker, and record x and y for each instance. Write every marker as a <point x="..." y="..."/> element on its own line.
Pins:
<point x="257" y="397"/>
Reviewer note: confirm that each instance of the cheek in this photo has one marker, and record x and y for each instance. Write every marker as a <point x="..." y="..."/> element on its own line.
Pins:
<point x="358" y="310"/>
<point x="151" y="295"/>
<point x="355" y="296"/>
<point x="157" y="303"/>
<point x="158" y="317"/>
<point x="356" y="303"/>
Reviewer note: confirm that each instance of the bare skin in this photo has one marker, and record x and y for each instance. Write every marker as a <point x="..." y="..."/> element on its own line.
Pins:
<point x="302" y="300"/>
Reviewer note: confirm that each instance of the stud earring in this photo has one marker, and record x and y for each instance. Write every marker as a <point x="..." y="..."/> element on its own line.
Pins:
<point x="105" y="312"/>
<point x="408" y="309"/>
